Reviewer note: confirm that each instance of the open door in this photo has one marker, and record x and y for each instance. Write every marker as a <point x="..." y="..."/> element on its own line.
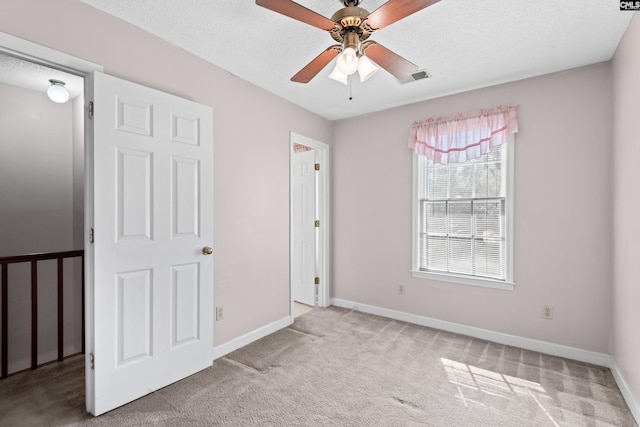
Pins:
<point x="304" y="257"/>
<point x="150" y="284"/>
<point x="309" y="221"/>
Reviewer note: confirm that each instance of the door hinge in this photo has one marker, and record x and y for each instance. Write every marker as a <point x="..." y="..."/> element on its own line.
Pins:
<point x="317" y="223"/>
<point x="317" y="166"/>
<point x="91" y="235"/>
<point x="91" y="109"/>
<point x="316" y="281"/>
<point x="91" y="361"/>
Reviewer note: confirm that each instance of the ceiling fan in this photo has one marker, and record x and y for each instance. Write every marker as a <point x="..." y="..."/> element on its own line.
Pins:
<point x="351" y="27"/>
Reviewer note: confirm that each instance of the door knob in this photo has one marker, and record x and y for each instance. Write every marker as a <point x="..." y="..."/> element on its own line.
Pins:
<point x="207" y="250"/>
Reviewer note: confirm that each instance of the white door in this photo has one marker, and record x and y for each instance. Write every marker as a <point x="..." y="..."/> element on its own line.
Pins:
<point x="304" y="230"/>
<point x="150" y="304"/>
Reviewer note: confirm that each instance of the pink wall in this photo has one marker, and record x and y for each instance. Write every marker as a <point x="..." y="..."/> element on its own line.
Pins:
<point x="563" y="255"/>
<point x="251" y="147"/>
<point x="626" y="291"/>
<point x="562" y="212"/>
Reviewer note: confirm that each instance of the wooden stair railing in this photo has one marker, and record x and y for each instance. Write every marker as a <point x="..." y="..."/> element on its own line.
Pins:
<point x="4" y="289"/>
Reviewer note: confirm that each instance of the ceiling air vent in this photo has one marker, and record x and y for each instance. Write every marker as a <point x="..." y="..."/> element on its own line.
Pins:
<point x="418" y="75"/>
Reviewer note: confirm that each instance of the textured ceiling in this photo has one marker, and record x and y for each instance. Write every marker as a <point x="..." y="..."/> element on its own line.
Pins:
<point x="463" y="44"/>
<point x="25" y="74"/>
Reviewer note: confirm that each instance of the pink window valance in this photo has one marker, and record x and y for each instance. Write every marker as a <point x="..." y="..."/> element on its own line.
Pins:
<point x="459" y="138"/>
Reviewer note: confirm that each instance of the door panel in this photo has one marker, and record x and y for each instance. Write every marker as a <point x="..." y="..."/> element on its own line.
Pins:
<point x="185" y="192"/>
<point x="185" y="319"/>
<point x="304" y="230"/>
<point x="133" y="306"/>
<point x="133" y="197"/>
<point x="152" y="296"/>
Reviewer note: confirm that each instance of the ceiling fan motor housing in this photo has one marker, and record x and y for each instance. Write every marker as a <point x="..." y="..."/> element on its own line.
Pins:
<point x="350" y="20"/>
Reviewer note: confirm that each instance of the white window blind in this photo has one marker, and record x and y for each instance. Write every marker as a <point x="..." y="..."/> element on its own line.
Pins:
<point x="463" y="216"/>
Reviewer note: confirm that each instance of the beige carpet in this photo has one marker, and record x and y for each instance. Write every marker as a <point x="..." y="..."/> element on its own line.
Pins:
<point x="335" y="367"/>
<point x="299" y="309"/>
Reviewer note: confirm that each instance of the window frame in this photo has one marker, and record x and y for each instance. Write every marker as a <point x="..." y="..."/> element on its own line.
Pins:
<point x="508" y="283"/>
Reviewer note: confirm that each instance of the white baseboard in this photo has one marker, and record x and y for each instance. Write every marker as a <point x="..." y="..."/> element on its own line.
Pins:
<point x="236" y="343"/>
<point x="632" y="402"/>
<point x="587" y="356"/>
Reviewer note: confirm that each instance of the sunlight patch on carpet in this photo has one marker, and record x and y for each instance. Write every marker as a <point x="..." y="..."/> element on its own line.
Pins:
<point x="465" y="376"/>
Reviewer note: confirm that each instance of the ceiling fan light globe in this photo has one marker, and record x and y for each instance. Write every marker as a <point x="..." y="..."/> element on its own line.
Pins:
<point x="348" y="61"/>
<point x="338" y="76"/>
<point x="366" y="69"/>
<point x="57" y="92"/>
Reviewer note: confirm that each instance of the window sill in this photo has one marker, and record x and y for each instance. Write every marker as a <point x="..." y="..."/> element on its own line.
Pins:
<point x="464" y="280"/>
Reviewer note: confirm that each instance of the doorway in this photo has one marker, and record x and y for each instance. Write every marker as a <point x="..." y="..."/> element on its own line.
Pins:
<point x="309" y="225"/>
<point x="42" y="176"/>
<point x="25" y="65"/>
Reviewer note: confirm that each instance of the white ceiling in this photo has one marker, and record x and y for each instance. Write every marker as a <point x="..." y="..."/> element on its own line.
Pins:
<point x="463" y="44"/>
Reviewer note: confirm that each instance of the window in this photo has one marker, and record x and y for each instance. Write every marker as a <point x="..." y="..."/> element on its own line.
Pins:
<point x="463" y="219"/>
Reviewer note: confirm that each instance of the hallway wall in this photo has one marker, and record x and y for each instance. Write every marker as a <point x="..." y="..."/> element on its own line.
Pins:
<point x="39" y="182"/>
<point x="36" y="173"/>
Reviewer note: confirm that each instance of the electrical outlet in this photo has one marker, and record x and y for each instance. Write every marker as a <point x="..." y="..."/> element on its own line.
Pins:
<point x="401" y="289"/>
<point x="547" y="312"/>
<point x="219" y="313"/>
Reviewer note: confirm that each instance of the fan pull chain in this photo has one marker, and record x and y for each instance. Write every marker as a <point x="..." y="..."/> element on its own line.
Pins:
<point x="350" y="89"/>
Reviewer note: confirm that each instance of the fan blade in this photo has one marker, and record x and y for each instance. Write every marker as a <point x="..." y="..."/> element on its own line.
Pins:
<point x="390" y="61"/>
<point x="312" y="68"/>
<point x="395" y="10"/>
<point x="296" y="11"/>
